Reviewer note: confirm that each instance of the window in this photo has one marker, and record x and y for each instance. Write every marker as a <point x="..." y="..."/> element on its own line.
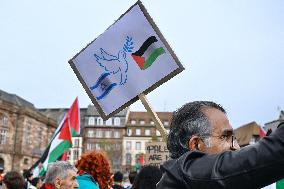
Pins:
<point x="3" y="136"/>
<point x="91" y="121"/>
<point x="133" y="122"/>
<point x="117" y="121"/>
<point x="117" y="147"/>
<point x="108" y="134"/>
<point x="128" y="145"/>
<point x="28" y="133"/>
<point x="128" y="159"/>
<point x="75" y="154"/>
<point x="90" y="146"/>
<point x="26" y="161"/>
<point x="91" y="133"/>
<point x="100" y="121"/>
<point x="39" y="137"/>
<point x="152" y="122"/>
<point x="142" y="122"/>
<point x="158" y="133"/>
<point x="5" y="121"/>
<point x="109" y="121"/>
<point x="108" y="147"/>
<point x="138" y="145"/>
<point x="147" y="132"/>
<point x="76" y="142"/>
<point x="129" y="132"/>
<point x="98" y="146"/>
<point x="166" y="123"/>
<point x="116" y="134"/>
<point x="99" y="134"/>
<point x="138" y="132"/>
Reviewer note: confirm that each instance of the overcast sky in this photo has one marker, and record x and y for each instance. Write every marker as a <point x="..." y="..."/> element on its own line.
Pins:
<point x="232" y="51"/>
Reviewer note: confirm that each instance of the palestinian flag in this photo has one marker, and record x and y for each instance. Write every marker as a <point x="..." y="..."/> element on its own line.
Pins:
<point x="147" y="53"/>
<point x="61" y="140"/>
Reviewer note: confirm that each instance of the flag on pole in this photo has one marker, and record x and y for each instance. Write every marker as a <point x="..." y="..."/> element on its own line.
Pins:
<point x="61" y="140"/>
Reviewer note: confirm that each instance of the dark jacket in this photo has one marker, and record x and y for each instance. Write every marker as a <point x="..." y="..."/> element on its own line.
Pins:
<point x="252" y="167"/>
<point x="117" y="187"/>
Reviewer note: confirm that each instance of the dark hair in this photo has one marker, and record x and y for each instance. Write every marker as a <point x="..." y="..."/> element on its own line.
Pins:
<point x="118" y="177"/>
<point x="147" y="177"/>
<point x="27" y="174"/>
<point x="14" y="180"/>
<point x="34" y="181"/>
<point x="187" y="121"/>
<point x="132" y="176"/>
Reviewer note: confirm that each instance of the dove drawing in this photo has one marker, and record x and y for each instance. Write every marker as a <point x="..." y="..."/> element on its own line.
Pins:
<point x="114" y="64"/>
<point x="115" y="69"/>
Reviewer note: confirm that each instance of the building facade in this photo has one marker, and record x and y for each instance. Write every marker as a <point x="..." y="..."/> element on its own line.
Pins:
<point x="106" y="135"/>
<point x="140" y="129"/>
<point x="273" y="124"/>
<point x="248" y="134"/>
<point x="76" y="151"/>
<point x="24" y="132"/>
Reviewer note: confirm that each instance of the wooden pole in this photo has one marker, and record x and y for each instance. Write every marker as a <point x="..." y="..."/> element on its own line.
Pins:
<point x="157" y="121"/>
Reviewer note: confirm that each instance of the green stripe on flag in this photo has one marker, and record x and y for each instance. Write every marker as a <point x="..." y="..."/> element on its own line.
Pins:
<point x="73" y="132"/>
<point x="280" y="184"/>
<point x="154" y="55"/>
<point x="58" y="151"/>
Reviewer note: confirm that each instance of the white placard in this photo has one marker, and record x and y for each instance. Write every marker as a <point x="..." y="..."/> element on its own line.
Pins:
<point x="129" y="58"/>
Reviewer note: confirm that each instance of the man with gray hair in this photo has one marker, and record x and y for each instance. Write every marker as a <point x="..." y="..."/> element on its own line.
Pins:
<point x="60" y="175"/>
<point x="205" y="153"/>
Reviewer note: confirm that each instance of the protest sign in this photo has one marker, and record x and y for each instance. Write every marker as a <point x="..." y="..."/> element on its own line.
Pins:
<point x="130" y="58"/>
<point x="156" y="153"/>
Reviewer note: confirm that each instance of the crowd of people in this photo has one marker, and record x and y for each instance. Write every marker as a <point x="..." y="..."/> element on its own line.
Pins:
<point x="92" y="171"/>
<point x="204" y="154"/>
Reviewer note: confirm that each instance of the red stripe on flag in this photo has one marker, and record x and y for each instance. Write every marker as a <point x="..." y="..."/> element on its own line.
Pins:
<point x="74" y="116"/>
<point x="139" y="60"/>
<point x="64" y="156"/>
<point x="262" y="132"/>
<point x="65" y="133"/>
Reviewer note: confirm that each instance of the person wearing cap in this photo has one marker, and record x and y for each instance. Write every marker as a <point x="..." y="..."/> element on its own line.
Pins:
<point x="206" y="155"/>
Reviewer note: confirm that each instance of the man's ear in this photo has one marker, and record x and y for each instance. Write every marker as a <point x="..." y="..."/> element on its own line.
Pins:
<point x="193" y="143"/>
<point x="57" y="182"/>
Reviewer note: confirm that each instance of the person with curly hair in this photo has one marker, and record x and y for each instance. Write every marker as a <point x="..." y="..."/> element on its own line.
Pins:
<point x="94" y="171"/>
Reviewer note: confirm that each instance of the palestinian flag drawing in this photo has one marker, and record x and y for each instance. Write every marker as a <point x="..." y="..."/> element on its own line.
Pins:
<point x="147" y="53"/>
